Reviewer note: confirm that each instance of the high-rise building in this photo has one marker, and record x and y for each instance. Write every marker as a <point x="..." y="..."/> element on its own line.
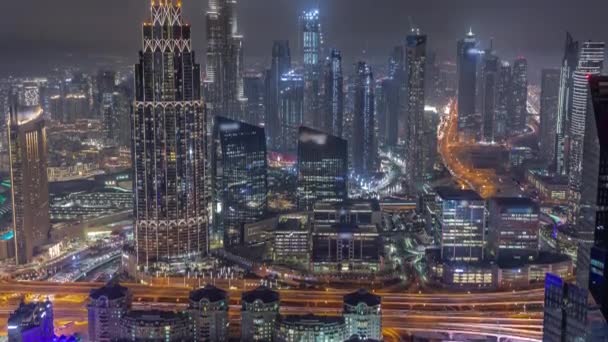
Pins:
<point x="259" y="314"/>
<point x="296" y="328"/>
<point x="514" y="228"/>
<point x="322" y="168"/>
<point x="566" y="87"/>
<point x="598" y="276"/>
<point x="461" y="218"/>
<point x="311" y="40"/>
<point x="415" y="61"/>
<point x="281" y="64"/>
<point x="467" y="59"/>
<point x="333" y="109"/>
<point x="28" y="154"/>
<point x="363" y="315"/>
<point x="224" y="70"/>
<point x="208" y="308"/>
<point x="503" y="95"/>
<point x="239" y="177"/>
<point x="518" y="107"/>
<point x="364" y="137"/>
<point x="429" y="142"/>
<point x="291" y="110"/>
<point x="594" y="190"/>
<point x="115" y="116"/>
<point x="106" y="307"/>
<point x="254" y="90"/>
<point x="394" y="90"/>
<point x="156" y="325"/>
<point x="169" y="140"/>
<point x="31" y="322"/>
<point x="590" y="62"/>
<point x="489" y="80"/>
<point x="549" y="100"/>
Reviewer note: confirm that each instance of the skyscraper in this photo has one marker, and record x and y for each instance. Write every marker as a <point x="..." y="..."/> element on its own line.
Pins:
<point x="291" y="110"/>
<point x="322" y="168"/>
<point x="281" y="64"/>
<point x="170" y="208"/>
<point x="333" y="110"/>
<point x="489" y="95"/>
<point x="311" y="40"/>
<point x="394" y="92"/>
<point x="224" y="70"/>
<point x="514" y="228"/>
<point x="518" y="108"/>
<point x="254" y="89"/>
<point x="591" y="62"/>
<point x="503" y="87"/>
<point x="364" y="144"/>
<point x="566" y="84"/>
<point x="239" y="176"/>
<point x="28" y="154"/>
<point x="467" y="58"/>
<point x="415" y="55"/>
<point x="549" y="99"/>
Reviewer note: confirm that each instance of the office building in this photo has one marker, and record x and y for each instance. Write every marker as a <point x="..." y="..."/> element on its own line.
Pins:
<point x="333" y="109"/>
<point x="254" y="90"/>
<point x="518" y="107"/>
<point x="322" y="168"/>
<point x="461" y="217"/>
<point x="281" y="64"/>
<point x="292" y="238"/>
<point x="489" y="95"/>
<point x="467" y="58"/>
<point x="296" y="328"/>
<point x="106" y="307"/>
<point x="549" y="101"/>
<point x="291" y="111"/>
<point x="31" y="322"/>
<point x="566" y="88"/>
<point x="415" y="54"/>
<point x="311" y="41"/>
<point x="259" y="314"/>
<point x="156" y="325"/>
<point x="430" y="153"/>
<point x="364" y="149"/>
<point x="363" y="315"/>
<point x="590" y="63"/>
<point x="28" y="154"/>
<point x="570" y="314"/>
<point x="116" y="122"/>
<point x="208" y="308"/>
<point x="513" y="228"/>
<point x="169" y="142"/>
<point x="239" y="177"/>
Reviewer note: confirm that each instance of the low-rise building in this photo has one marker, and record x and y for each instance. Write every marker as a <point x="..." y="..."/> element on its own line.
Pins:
<point x="208" y="308"/>
<point x="363" y="315"/>
<point x="295" y="328"/>
<point x="156" y="326"/>
<point x="106" y="307"/>
<point x="31" y="322"/>
<point x="259" y="314"/>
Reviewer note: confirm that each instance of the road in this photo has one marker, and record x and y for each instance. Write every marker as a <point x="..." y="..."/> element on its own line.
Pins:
<point x="512" y="314"/>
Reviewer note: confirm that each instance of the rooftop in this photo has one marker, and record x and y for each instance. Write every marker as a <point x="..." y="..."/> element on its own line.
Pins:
<point x="209" y="292"/>
<point x="311" y="320"/>
<point x="111" y="291"/>
<point x="449" y="193"/>
<point x="362" y="296"/>
<point x="262" y="293"/>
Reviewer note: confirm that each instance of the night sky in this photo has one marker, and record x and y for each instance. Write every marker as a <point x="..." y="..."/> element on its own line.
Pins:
<point x="38" y="31"/>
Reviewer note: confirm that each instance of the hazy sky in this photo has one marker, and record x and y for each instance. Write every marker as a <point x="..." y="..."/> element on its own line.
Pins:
<point x="34" y="30"/>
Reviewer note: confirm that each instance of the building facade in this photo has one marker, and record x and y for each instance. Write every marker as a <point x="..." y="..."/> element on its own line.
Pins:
<point x="363" y="315"/>
<point x="156" y="325"/>
<point x="467" y="60"/>
<point x="291" y="110"/>
<point x="259" y="314"/>
<point x="281" y="64"/>
<point x="513" y="228"/>
<point x="168" y="123"/>
<point x="208" y="308"/>
<point x="364" y="137"/>
<point x="518" y="108"/>
<point x="295" y="328"/>
<point x="549" y="101"/>
<point x="333" y="98"/>
<point x="106" y="307"/>
<point x="489" y="96"/>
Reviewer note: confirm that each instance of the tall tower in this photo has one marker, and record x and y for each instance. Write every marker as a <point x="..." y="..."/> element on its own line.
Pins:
<point x="334" y="94"/>
<point x="415" y="66"/>
<point x="28" y="162"/>
<point x="467" y="58"/>
<point x="168" y="121"/>
<point x="591" y="61"/>
<point x="488" y="87"/>
<point x="518" y="109"/>
<point x="364" y="146"/>
<point x="311" y="36"/>
<point x="549" y="99"/>
<point x="564" y="105"/>
<point x="281" y="64"/>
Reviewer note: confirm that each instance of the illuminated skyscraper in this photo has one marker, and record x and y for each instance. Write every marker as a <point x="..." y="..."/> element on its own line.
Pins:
<point x="239" y="171"/>
<point x="291" y="110"/>
<point x="549" y="99"/>
<point x="415" y="55"/>
<point x="590" y="62"/>
<point x="28" y="154"/>
<point x="224" y="70"/>
<point x="254" y="89"/>
<point x="312" y="39"/>
<point x="467" y="56"/>
<point x="281" y="64"/>
<point x="364" y="145"/>
<point x="518" y="107"/>
<point x="503" y="86"/>
<point x="566" y="84"/>
<point x="322" y="168"/>
<point x="334" y="95"/>
<point x="170" y="208"/>
<point x="489" y="95"/>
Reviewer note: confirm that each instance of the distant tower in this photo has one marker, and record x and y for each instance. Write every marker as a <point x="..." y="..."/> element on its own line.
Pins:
<point x="488" y="92"/>
<point x="281" y="64"/>
<point x="518" y="109"/>
<point x="415" y="66"/>
<point x="28" y="154"/>
<point x="291" y="110"/>
<point x="168" y="143"/>
<point x="363" y="142"/>
<point x="334" y="95"/>
<point x="549" y="100"/>
<point x="311" y="36"/>
<point x="467" y="59"/>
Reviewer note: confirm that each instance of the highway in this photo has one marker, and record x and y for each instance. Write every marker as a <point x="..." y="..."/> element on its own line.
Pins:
<point x="515" y="315"/>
